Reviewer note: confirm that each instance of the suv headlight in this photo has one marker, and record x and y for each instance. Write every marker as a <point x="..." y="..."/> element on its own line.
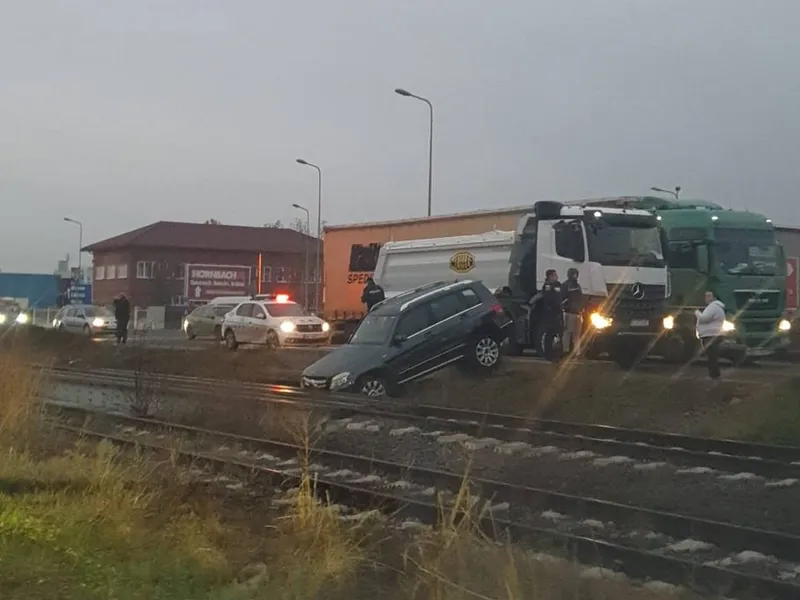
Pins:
<point x="668" y="322"/>
<point x="287" y="327"/>
<point x="728" y="326"/>
<point x="598" y="321"/>
<point x="342" y="380"/>
<point x="785" y="325"/>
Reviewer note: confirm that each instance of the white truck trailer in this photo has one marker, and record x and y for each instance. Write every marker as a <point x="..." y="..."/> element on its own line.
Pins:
<point x="617" y="252"/>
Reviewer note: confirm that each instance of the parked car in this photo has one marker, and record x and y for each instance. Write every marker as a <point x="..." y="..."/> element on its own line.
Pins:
<point x="273" y="321"/>
<point x="206" y="321"/>
<point x="415" y="334"/>
<point x="85" y="319"/>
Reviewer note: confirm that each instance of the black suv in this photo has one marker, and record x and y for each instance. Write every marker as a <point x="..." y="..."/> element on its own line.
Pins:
<point x="415" y="334"/>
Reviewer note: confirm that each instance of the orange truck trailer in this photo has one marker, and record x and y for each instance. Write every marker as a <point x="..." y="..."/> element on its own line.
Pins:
<point x="351" y="253"/>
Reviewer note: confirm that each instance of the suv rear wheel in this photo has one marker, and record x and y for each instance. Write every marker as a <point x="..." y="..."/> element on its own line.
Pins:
<point x="483" y="352"/>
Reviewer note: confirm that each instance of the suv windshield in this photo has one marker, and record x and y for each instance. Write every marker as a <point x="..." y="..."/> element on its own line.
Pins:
<point x="285" y="309"/>
<point x="616" y="245"/>
<point x="97" y="311"/>
<point x="374" y="329"/>
<point x="746" y="252"/>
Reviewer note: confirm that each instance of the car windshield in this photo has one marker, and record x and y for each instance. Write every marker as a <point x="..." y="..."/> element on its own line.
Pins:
<point x="285" y="309"/>
<point x="97" y="311"/>
<point x="746" y="252"/>
<point x="616" y="245"/>
<point x="374" y="329"/>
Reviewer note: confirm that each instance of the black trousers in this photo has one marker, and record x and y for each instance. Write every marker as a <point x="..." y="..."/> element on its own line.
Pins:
<point x="711" y="347"/>
<point x="122" y="330"/>
<point x="552" y="329"/>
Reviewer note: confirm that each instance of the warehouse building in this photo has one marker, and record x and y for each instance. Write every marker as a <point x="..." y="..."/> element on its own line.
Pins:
<point x="181" y="264"/>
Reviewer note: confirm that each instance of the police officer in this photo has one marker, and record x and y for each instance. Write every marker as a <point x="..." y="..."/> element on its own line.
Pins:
<point x="372" y="294"/>
<point x="573" y="304"/>
<point x="552" y="319"/>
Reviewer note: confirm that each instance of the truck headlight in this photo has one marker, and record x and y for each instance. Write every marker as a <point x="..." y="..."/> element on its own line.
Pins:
<point x="2" y="318"/>
<point x="598" y="321"/>
<point x="340" y="381"/>
<point x="728" y="326"/>
<point x="22" y="318"/>
<point x="668" y="322"/>
<point x="326" y="327"/>
<point x="785" y="325"/>
<point x="287" y="327"/>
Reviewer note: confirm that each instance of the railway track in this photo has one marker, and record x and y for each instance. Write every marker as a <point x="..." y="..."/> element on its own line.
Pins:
<point x="711" y="557"/>
<point x="769" y="461"/>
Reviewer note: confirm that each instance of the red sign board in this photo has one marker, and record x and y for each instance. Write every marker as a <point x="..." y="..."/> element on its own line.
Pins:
<point x="791" y="283"/>
<point x="206" y="282"/>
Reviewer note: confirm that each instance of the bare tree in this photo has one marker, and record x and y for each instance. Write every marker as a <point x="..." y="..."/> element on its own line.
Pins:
<point x="274" y="224"/>
<point x="211" y="222"/>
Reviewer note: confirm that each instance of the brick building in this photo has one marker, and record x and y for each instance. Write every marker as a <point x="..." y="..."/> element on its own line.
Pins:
<point x="148" y="264"/>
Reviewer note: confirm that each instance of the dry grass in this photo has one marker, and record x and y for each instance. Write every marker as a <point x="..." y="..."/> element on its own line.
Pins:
<point x="19" y="397"/>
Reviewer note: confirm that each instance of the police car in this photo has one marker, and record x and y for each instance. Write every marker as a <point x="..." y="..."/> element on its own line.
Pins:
<point x="273" y="320"/>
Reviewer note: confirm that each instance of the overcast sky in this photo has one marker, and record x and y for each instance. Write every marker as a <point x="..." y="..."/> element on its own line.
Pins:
<point x="121" y="113"/>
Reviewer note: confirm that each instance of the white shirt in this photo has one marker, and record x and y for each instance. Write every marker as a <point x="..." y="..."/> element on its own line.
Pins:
<point x="709" y="322"/>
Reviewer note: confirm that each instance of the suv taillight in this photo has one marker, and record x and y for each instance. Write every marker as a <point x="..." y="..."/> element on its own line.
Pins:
<point x="497" y="308"/>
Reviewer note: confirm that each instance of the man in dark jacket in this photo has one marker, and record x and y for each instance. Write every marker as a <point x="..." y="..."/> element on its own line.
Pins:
<point x="552" y="298"/>
<point x="573" y="305"/>
<point x="122" y="313"/>
<point x="372" y="294"/>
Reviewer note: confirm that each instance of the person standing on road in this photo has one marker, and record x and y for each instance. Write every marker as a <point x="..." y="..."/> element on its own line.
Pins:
<point x="573" y="305"/>
<point x="122" y="313"/>
<point x="373" y="294"/>
<point x="552" y="318"/>
<point x="709" y="330"/>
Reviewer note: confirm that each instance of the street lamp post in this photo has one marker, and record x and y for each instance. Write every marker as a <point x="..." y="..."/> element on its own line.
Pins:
<point x="319" y="230"/>
<point x="676" y="192"/>
<point x="80" y="243"/>
<point x="308" y="233"/>
<point x="408" y="94"/>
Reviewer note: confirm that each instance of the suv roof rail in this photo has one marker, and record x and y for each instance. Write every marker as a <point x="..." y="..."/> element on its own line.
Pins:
<point x="448" y="285"/>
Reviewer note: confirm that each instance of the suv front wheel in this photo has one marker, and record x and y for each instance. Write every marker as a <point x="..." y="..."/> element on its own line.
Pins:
<point x="372" y="386"/>
<point x="483" y="352"/>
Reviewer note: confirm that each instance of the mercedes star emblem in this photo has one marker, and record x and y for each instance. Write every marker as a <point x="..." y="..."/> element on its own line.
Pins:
<point x="637" y="291"/>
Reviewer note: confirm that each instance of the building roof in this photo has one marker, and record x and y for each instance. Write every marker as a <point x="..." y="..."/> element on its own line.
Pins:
<point x="470" y="214"/>
<point x="235" y="238"/>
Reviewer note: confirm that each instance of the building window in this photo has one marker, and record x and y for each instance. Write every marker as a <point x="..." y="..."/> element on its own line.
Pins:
<point x="280" y="275"/>
<point x="99" y="273"/>
<point x="144" y="269"/>
<point x="266" y="275"/>
<point x="122" y="271"/>
<point x="111" y="271"/>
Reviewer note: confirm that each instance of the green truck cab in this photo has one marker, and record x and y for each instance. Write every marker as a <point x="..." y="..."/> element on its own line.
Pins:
<point x="735" y="255"/>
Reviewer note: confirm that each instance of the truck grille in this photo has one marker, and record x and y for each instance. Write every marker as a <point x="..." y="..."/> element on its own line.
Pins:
<point x="757" y="300"/>
<point x="628" y="302"/>
<point x="317" y="328"/>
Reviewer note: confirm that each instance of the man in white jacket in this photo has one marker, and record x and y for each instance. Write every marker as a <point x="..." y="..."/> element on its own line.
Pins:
<point x="709" y="329"/>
